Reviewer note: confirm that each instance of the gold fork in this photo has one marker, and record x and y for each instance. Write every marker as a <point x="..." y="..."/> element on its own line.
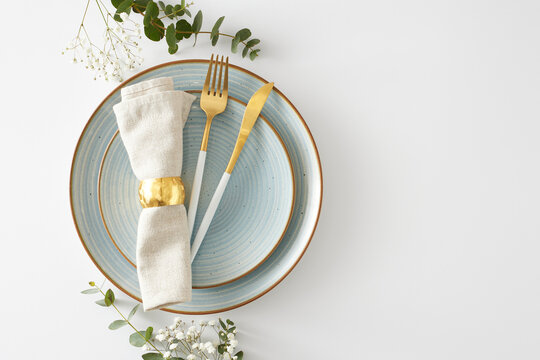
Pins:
<point x="213" y="102"/>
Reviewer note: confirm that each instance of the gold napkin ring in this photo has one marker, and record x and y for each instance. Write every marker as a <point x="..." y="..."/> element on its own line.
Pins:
<point x="161" y="192"/>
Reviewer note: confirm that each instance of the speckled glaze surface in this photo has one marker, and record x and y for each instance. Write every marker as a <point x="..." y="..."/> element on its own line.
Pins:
<point x="99" y="149"/>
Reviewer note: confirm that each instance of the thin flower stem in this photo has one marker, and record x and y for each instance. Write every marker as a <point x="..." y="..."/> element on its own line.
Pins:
<point x="129" y="323"/>
<point x="84" y="16"/>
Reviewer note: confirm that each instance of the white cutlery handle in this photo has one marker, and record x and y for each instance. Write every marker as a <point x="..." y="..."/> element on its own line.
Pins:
<point x="196" y="191"/>
<point x="209" y="215"/>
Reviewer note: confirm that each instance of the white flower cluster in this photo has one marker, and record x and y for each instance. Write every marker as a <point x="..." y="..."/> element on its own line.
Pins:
<point x="186" y="341"/>
<point x="116" y="56"/>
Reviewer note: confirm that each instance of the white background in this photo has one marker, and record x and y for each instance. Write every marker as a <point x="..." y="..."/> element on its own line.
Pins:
<point x="426" y="115"/>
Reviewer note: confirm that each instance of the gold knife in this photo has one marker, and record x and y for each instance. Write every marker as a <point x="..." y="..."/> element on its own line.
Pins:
<point x="253" y="109"/>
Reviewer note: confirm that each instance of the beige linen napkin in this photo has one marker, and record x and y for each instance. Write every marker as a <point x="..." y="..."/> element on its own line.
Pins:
<point x="150" y="118"/>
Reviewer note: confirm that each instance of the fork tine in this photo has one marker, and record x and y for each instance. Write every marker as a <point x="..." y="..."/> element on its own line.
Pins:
<point x="207" y="81"/>
<point x="218" y="90"/>
<point x="213" y="89"/>
<point x="226" y="81"/>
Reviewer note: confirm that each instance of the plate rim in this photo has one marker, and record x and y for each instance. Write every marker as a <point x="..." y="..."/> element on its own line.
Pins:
<point x="287" y="272"/>
<point x="276" y="244"/>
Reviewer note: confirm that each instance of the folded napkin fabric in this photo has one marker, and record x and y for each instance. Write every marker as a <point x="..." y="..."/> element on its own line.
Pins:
<point x="151" y="118"/>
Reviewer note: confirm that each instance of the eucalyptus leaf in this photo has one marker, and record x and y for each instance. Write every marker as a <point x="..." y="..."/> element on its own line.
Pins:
<point x="178" y="10"/>
<point x="101" y="302"/>
<point x="133" y="311"/>
<point x="136" y="340"/>
<point x="222" y="336"/>
<point x="243" y="34"/>
<point x="169" y="11"/>
<point x="197" y="23"/>
<point x="125" y="6"/>
<point x="253" y="54"/>
<point x="173" y="49"/>
<point x="230" y="322"/>
<point x="234" y="45"/>
<point x="161" y="5"/>
<point x="240" y="355"/>
<point x="215" y="40"/>
<point x="185" y="28"/>
<point x="152" y="356"/>
<point x="151" y="13"/>
<point x="148" y="333"/>
<point x="90" y="291"/>
<point x="221" y="348"/>
<point x="109" y="297"/>
<point x="188" y="13"/>
<point x="154" y="30"/>
<point x="116" y="3"/>
<point x="117" y="324"/>
<point x="245" y="51"/>
<point x="215" y="29"/>
<point x="139" y="6"/>
<point x="252" y="42"/>
<point x="170" y="36"/>
<point x="222" y="324"/>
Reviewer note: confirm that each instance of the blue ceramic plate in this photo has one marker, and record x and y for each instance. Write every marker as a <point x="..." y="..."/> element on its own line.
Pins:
<point x="253" y="213"/>
<point x="105" y="208"/>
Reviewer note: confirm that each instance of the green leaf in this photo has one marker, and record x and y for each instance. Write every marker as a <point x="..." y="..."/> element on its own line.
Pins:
<point x="230" y="322"/>
<point x="183" y="25"/>
<point x="215" y="40"/>
<point x="215" y="29"/>
<point x="139" y="6"/>
<point x="197" y="23"/>
<point x="169" y="11"/>
<point x="109" y="297"/>
<point x="151" y="13"/>
<point x="252" y="42"/>
<point x="240" y="355"/>
<point x="101" y="302"/>
<point x="253" y="54"/>
<point x="136" y="340"/>
<point x="152" y="356"/>
<point x="91" y="283"/>
<point x="243" y="34"/>
<point x="116" y="3"/>
<point x="188" y="13"/>
<point x="117" y="324"/>
<point x="234" y="45"/>
<point x="161" y="5"/>
<point x="125" y="6"/>
<point x="133" y="311"/>
<point x="231" y="329"/>
<point x="173" y="49"/>
<point x="221" y="348"/>
<point x="222" y="324"/>
<point x="154" y="31"/>
<point x="245" y="51"/>
<point x="148" y="333"/>
<point x="178" y="10"/>
<point x="90" y="291"/>
<point x="170" y="35"/>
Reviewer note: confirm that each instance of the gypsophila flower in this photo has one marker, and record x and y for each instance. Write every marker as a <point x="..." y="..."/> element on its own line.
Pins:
<point x="173" y="346"/>
<point x="180" y="335"/>
<point x="234" y="343"/>
<point x="212" y="323"/>
<point x="191" y="357"/>
<point x="116" y="55"/>
<point x="230" y="336"/>
<point x="167" y="354"/>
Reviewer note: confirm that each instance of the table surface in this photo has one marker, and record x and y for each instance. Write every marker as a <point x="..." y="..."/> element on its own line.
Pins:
<point x="427" y="121"/>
